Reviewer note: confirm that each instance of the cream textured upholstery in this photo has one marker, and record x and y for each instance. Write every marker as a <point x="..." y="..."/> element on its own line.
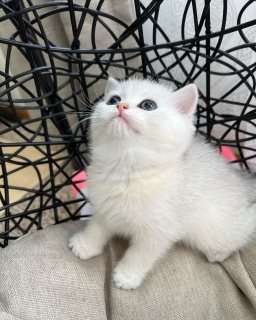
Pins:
<point x="42" y="279"/>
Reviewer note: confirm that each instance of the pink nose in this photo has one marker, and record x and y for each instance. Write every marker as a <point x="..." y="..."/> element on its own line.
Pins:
<point x="122" y="105"/>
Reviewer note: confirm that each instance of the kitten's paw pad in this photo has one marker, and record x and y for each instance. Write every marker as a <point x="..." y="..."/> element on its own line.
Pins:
<point x="82" y="247"/>
<point x="126" y="279"/>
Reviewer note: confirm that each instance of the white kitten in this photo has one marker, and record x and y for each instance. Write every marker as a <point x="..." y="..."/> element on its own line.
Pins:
<point x="153" y="181"/>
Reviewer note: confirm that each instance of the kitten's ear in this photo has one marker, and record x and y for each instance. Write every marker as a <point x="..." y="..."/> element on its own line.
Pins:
<point x="185" y="99"/>
<point x="111" y="84"/>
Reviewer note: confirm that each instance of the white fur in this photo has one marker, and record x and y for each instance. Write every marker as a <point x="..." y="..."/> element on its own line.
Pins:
<point x="153" y="181"/>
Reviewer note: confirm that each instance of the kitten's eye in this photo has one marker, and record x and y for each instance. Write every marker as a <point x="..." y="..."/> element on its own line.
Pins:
<point x="147" y="105"/>
<point x="114" y="100"/>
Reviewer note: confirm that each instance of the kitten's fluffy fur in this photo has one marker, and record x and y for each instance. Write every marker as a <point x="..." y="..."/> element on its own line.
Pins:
<point x="153" y="181"/>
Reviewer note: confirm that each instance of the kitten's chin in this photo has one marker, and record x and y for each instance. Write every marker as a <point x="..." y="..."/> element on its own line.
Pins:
<point x="121" y="126"/>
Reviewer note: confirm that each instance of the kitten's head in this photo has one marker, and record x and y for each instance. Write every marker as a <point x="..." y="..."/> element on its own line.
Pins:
<point x="142" y="114"/>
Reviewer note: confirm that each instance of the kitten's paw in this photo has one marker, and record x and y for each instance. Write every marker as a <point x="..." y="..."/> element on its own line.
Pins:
<point x="127" y="279"/>
<point x="83" y="247"/>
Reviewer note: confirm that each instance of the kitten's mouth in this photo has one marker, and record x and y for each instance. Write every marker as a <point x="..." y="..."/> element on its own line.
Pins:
<point x="123" y="119"/>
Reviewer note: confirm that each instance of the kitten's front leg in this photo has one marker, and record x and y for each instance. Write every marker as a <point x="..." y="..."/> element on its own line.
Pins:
<point x="138" y="260"/>
<point x="91" y="241"/>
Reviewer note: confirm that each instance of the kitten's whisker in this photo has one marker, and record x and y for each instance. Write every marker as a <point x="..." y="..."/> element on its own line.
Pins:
<point x="84" y="96"/>
<point x="96" y="93"/>
<point x="85" y="119"/>
<point x="83" y="103"/>
<point x="79" y="122"/>
<point x="69" y="117"/>
<point x="71" y="113"/>
<point x="88" y="106"/>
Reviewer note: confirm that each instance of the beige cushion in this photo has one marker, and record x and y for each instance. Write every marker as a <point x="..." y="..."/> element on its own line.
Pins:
<point x="42" y="279"/>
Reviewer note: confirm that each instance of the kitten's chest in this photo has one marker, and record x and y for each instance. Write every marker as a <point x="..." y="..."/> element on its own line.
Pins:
<point x="108" y="192"/>
<point x="126" y="203"/>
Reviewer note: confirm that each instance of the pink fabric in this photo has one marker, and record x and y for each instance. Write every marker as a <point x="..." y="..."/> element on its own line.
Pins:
<point x="228" y="153"/>
<point x="80" y="180"/>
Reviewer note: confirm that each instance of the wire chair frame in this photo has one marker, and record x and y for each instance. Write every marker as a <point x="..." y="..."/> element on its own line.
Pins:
<point x="60" y="84"/>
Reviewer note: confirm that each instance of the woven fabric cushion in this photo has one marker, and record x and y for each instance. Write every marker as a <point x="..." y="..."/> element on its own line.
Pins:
<point x="41" y="279"/>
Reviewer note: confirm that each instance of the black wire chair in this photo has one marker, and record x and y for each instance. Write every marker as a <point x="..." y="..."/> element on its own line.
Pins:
<point x="62" y="80"/>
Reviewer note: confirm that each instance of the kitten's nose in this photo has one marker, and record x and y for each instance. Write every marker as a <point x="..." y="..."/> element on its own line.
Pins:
<point x="122" y="105"/>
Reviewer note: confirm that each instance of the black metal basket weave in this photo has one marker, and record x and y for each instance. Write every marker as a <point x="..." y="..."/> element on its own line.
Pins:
<point x="57" y="81"/>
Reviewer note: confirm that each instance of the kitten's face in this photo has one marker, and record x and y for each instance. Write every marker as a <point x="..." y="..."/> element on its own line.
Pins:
<point x="137" y="111"/>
